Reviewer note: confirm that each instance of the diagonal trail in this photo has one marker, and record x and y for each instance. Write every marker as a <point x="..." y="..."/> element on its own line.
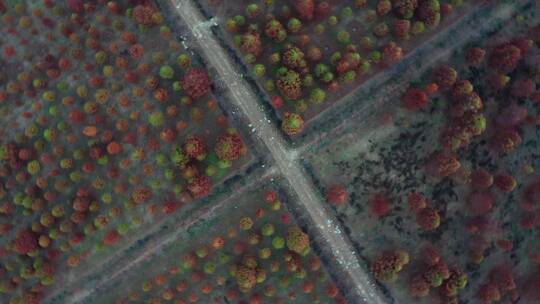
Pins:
<point x="242" y="96"/>
<point x="84" y="295"/>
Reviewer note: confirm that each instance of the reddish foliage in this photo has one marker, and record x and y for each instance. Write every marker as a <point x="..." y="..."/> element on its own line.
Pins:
<point x="414" y="99"/>
<point x="143" y="15"/>
<point x="416" y="201"/>
<point x="505" y="245"/>
<point x="290" y="85"/>
<point x="428" y="218"/>
<point x="379" y="205"/>
<point x="475" y="56"/>
<point x="76" y="116"/>
<point x="170" y="207"/>
<point x="531" y="289"/>
<point x="401" y="28"/>
<point x="332" y="291"/>
<point x="337" y="195"/>
<point x="391" y="54"/>
<point x="523" y="87"/>
<point x="505" y="57"/>
<point x="502" y="276"/>
<point x="271" y="196"/>
<point x="111" y="238"/>
<point x="229" y="147"/>
<point x="196" y="82"/>
<point x="481" y="179"/>
<point x="5" y="228"/>
<point x="114" y="148"/>
<point x="278" y="102"/>
<point x="305" y="8"/>
<point x="419" y="286"/>
<point x="531" y="194"/>
<point x="506" y="140"/>
<point x="323" y="8"/>
<point x="430" y="255"/>
<point x="481" y="203"/>
<point x="480" y="224"/>
<point x="251" y="43"/>
<point x="76" y="6"/>
<point x="489" y="293"/>
<point x="505" y="182"/>
<point x="200" y="186"/>
<point x="445" y="77"/>
<point x="195" y="147"/>
<point x="442" y="164"/>
<point x="523" y="44"/>
<point x="141" y="195"/>
<point x="386" y="267"/>
<point x="511" y="115"/>
<point x="292" y="123"/>
<point x="25" y="242"/>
